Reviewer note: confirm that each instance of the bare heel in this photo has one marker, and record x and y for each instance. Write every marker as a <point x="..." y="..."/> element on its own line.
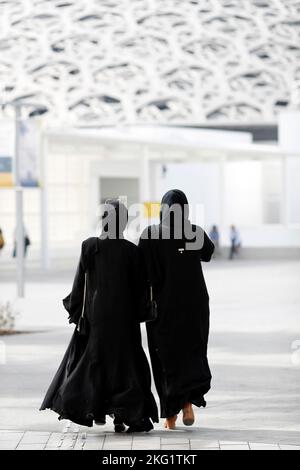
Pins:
<point x="170" y="422"/>
<point x="188" y="415"/>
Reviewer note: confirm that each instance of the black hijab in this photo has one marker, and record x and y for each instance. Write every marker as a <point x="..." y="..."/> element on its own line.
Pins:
<point x="114" y="219"/>
<point x="174" y="212"/>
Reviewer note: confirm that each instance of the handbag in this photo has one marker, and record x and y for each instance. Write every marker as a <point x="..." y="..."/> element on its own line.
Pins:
<point x="151" y="307"/>
<point x="82" y="326"/>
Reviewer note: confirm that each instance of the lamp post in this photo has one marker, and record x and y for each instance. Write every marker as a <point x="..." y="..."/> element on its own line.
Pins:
<point x="18" y="105"/>
<point x="19" y="208"/>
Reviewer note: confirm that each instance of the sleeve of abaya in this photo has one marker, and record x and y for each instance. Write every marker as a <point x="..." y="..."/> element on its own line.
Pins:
<point x="73" y="302"/>
<point x="207" y="250"/>
<point x="150" y="268"/>
<point x="146" y="254"/>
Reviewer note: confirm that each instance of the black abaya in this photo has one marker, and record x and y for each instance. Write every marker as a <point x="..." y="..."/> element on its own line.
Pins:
<point x="107" y="372"/>
<point x="178" y="338"/>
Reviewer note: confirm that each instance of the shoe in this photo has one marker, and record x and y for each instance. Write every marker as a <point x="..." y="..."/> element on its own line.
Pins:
<point x="143" y="426"/>
<point x="119" y="426"/>
<point x="170" y="422"/>
<point x="188" y="418"/>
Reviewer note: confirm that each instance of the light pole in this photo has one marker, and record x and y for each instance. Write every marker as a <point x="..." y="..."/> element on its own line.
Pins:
<point x="18" y="105"/>
<point x="19" y="208"/>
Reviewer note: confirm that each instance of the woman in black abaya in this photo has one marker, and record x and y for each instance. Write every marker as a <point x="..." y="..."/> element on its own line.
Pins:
<point x="105" y="371"/>
<point x="173" y="251"/>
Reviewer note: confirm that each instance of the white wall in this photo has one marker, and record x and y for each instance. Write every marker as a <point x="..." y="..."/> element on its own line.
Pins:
<point x="243" y="193"/>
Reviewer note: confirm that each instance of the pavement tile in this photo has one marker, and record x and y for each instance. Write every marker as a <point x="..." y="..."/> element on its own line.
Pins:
<point x="229" y="443"/>
<point x="31" y="447"/>
<point x="94" y="441"/>
<point x="88" y="446"/>
<point x="234" y="447"/>
<point x="68" y="442"/>
<point x="209" y="448"/>
<point x="117" y="442"/>
<point x="261" y="446"/>
<point x="54" y="440"/>
<point x="15" y="438"/>
<point x="146" y="447"/>
<point x="79" y="442"/>
<point x="175" y="447"/>
<point x="122" y="441"/>
<point x="115" y="447"/>
<point x="174" y="440"/>
<point x="147" y="443"/>
<point x="288" y="447"/>
<point x="78" y="445"/>
<point x="7" y="445"/>
<point x="35" y="438"/>
<point x="10" y="434"/>
<point x="201" y="444"/>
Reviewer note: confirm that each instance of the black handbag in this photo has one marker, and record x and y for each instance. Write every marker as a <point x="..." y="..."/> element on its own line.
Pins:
<point x="151" y="313"/>
<point x="82" y="325"/>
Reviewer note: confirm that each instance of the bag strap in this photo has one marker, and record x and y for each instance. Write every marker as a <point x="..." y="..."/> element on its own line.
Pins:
<point x="84" y="295"/>
<point x="151" y="293"/>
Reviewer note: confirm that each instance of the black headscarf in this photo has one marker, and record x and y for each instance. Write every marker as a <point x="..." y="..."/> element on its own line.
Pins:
<point x="114" y="219"/>
<point x="174" y="212"/>
<point x="175" y="198"/>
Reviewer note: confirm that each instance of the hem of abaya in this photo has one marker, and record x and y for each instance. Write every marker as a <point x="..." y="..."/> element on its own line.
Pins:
<point x="75" y="419"/>
<point x="89" y="420"/>
<point x="200" y="402"/>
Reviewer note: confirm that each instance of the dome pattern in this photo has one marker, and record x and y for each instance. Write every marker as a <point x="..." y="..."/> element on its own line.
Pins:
<point x="95" y="62"/>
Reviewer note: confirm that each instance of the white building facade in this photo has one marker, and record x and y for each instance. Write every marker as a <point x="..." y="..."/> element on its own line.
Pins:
<point x="227" y="178"/>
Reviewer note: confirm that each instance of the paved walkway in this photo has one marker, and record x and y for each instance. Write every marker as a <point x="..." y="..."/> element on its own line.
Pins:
<point x="253" y="352"/>
<point x="72" y="438"/>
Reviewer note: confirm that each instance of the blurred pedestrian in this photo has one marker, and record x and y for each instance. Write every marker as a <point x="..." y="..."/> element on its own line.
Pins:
<point x="27" y="242"/>
<point x="2" y="241"/>
<point x="214" y="235"/>
<point x="235" y="242"/>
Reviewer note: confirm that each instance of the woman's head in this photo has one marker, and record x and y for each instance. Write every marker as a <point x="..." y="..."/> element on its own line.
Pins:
<point x="174" y="203"/>
<point x="114" y="218"/>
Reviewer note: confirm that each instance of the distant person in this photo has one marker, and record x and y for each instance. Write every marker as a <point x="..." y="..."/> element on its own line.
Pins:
<point x="2" y="241"/>
<point x="27" y="242"/>
<point x="235" y="242"/>
<point x="105" y="370"/>
<point x="214" y="235"/>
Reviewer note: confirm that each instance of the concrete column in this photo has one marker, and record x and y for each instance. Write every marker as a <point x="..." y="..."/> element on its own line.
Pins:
<point x="145" y="180"/>
<point x="19" y="236"/>
<point x="222" y="199"/>
<point x="44" y="215"/>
